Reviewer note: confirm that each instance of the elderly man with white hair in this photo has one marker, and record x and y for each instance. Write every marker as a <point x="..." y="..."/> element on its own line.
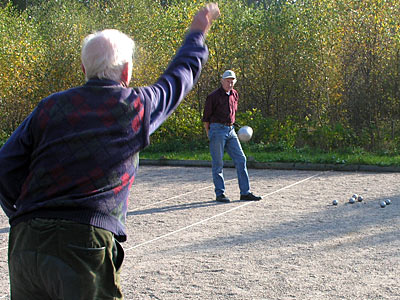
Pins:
<point x="66" y="172"/>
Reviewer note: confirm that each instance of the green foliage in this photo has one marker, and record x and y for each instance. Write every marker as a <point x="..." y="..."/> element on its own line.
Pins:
<point x="311" y="73"/>
<point x="264" y="129"/>
<point x="21" y="53"/>
<point x="184" y="126"/>
<point x="327" y="137"/>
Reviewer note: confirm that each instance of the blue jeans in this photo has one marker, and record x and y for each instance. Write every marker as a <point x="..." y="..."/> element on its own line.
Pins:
<point x="224" y="138"/>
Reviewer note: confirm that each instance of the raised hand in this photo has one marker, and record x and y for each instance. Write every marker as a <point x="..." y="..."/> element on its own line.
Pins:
<point x="204" y="18"/>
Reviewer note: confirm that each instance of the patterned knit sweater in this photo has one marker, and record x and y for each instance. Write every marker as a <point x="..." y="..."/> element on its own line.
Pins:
<point x="75" y="156"/>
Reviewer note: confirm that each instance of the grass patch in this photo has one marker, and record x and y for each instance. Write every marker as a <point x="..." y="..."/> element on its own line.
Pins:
<point x="262" y="153"/>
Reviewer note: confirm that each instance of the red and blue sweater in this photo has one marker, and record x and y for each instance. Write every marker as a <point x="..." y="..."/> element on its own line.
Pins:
<point x="75" y="157"/>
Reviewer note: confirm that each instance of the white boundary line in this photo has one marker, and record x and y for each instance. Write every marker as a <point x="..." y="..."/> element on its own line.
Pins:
<point x="174" y="197"/>
<point x="155" y="203"/>
<point x="218" y="215"/>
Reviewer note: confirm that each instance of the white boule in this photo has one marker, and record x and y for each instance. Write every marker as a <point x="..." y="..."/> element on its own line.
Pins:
<point x="245" y="133"/>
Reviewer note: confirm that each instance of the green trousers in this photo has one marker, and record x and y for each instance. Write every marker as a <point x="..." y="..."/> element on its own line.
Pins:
<point x="51" y="259"/>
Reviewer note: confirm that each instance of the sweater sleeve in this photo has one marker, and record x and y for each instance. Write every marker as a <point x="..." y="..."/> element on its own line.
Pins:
<point x="177" y="80"/>
<point x="14" y="165"/>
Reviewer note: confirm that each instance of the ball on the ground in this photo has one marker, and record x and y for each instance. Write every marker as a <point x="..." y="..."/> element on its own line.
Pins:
<point x="355" y="196"/>
<point x="382" y="203"/>
<point x="352" y="200"/>
<point x="360" y="198"/>
<point x="245" y="133"/>
<point x="334" y="202"/>
<point x="388" y="201"/>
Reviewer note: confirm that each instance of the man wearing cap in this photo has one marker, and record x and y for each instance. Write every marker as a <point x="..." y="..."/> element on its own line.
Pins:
<point x="218" y="118"/>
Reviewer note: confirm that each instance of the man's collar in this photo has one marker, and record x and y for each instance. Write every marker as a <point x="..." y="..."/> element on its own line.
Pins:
<point x="225" y="92"/>
<point x="101" y="82"/>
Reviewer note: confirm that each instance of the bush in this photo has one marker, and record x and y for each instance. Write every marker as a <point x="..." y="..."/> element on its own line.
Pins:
<point x="20" y="54"/>
<point x="292" y="58"/>
<point x="183" y="126"/>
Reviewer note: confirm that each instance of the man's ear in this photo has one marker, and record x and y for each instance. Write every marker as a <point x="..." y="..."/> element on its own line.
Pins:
<point x="125" y="74"/>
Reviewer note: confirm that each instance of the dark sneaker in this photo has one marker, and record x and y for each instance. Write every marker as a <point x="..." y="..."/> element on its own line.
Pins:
<point x="250" y="197"/>
<point x="223" y="198"/>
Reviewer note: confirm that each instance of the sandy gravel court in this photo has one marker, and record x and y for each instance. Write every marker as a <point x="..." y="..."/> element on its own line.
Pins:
<point x="294" y="244"/>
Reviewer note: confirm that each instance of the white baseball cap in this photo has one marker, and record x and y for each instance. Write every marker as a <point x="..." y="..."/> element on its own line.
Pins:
<point x="229" y="74"/>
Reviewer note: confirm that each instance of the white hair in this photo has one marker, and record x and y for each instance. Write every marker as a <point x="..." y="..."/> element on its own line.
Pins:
<point x="104" y="54"/>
